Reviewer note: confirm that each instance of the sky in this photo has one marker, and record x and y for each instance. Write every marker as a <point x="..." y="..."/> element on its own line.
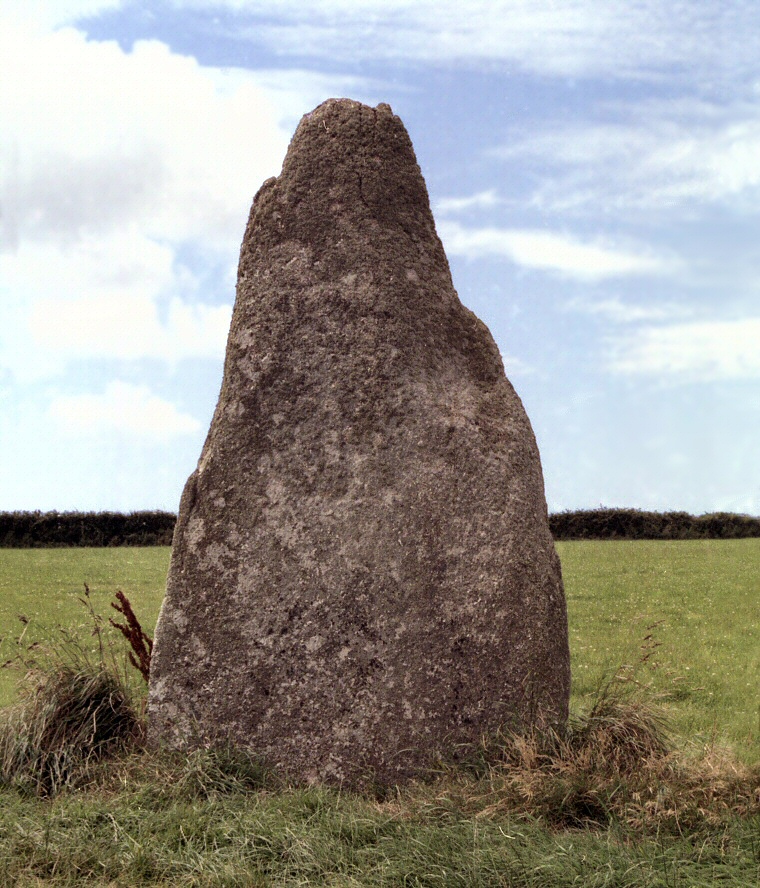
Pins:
<point x="594" y="173"/>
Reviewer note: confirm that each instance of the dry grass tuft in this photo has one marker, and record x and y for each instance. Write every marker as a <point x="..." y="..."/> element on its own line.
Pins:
<point x="616" y="764"/>
<point x="140" y="643"/>
<point x="76" y="709"/>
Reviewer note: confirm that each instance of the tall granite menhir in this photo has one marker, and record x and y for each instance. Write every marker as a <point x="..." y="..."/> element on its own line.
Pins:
<point x="362" y="575"/>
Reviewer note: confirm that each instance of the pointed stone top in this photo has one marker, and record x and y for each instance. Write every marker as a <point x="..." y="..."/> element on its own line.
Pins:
<point x="346" y="116"/>
<point x="345" y="108"/>
<point x="342" y="131"/>
<point x="347" y="164"/>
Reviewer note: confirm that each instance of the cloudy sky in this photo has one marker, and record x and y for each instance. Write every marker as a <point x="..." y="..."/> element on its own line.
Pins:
<point x="594" y="170"/>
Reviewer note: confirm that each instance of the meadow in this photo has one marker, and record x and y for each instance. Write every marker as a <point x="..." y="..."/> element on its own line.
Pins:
<point x="690" y="610"/>
<point x="677" y="623"/>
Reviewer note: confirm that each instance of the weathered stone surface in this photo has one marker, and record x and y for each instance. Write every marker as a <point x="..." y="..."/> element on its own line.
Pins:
<point x="362" y="572"/>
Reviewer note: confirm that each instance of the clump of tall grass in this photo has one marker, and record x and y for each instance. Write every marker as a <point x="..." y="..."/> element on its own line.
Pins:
<point x="80" y="722"/>
<point x="614" y="764"/>
<point x="67" y="721"/>
<point x="76" y="708"/>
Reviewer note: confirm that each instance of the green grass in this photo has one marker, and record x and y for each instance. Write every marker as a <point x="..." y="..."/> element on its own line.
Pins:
<point x="215" y="819"/>
<point x="700" y="602"/>
<point x="45" y="585"/>
<point x="146" y="836"/>
<point x="703" y="596"/>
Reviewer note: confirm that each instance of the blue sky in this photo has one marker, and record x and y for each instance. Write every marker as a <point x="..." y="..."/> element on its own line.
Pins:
<point x="594" y="171"/>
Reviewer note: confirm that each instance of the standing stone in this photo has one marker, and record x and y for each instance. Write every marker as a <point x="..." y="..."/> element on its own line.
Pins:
<point x="362" y="574"/>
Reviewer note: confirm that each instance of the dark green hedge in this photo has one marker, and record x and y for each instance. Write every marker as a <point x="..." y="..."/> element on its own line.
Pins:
<point x="24" y="530"/>
<point x="633" y="524"/>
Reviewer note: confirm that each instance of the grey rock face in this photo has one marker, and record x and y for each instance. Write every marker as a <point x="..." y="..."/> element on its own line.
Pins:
<point x="362" y="574"/>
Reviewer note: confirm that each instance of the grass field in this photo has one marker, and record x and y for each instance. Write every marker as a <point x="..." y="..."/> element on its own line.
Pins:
<point x="698" y="600"/>
<point x="683" y="615"/>
<point x="44" y="586"/>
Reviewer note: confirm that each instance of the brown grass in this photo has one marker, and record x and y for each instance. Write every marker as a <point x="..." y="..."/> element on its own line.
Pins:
<point x="137" y="638"/>
<point x="614" y="764"/>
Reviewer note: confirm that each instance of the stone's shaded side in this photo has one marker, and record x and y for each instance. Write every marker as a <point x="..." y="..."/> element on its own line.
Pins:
<point x="362" y="574"/>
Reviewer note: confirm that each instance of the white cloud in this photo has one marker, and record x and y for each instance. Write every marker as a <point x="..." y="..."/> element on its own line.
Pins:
<point x="515" y="366"/>
<point x="705" y="350"/>
<point x="113" y="167"/>
<point x="569" y="38"/>
<point x="661" y="154"/>
<point x="51" y="13"/>
<point x="93" y="138"/>
<point x="116" y="297"/>
<point x="480" y="201"/>
<point x="745" y="502"/>
<point x="93" y="327"/>
<point x="107" y="265"/>
<point x="624" y="311"/>
<point x="550" y="252"/>
<point x="125" y="409"/>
